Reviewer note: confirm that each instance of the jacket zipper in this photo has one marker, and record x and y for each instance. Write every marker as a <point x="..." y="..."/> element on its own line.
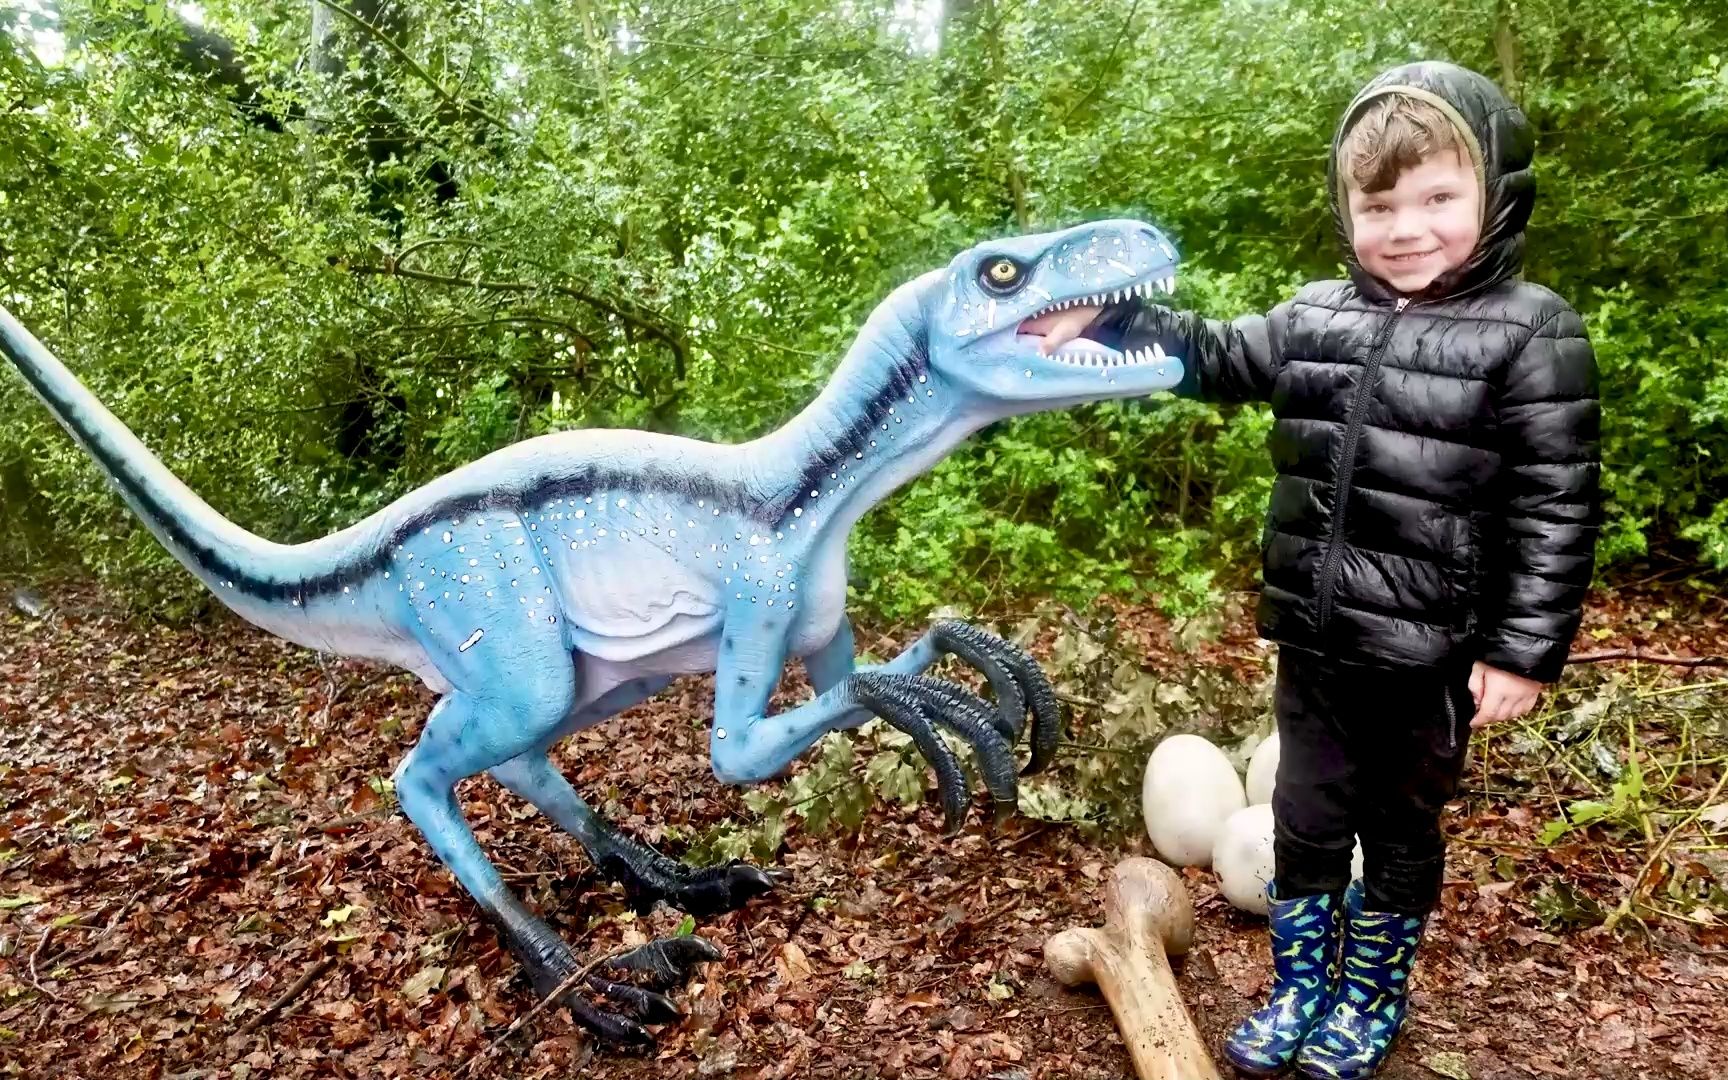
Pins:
<point x="1347" y="463"/>
<point x="1451" y="719"/>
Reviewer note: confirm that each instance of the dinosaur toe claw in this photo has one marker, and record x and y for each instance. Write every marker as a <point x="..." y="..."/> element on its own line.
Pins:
<point x="667" y="961"/>
<point x="1019" y="684"/>
<point x="647" y="1006"/>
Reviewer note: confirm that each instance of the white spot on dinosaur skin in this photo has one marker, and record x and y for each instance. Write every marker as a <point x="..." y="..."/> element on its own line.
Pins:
<point x="447" y="537"/>
<point x="471" y="641"/>
<point x="719" y="733"/>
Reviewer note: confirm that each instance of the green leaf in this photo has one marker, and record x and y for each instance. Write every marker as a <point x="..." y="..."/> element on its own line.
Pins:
<point x="423" y="983"/>
<point x="338" y="916"/>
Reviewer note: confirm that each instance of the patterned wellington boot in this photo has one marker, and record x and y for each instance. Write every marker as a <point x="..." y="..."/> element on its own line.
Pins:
<point x="1305" y="935"/>
<point x="1373" y="991"/>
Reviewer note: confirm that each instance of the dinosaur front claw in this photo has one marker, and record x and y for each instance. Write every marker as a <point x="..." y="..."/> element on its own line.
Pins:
<point x="915" y="704"/>
<point x="650" y="877"/>
<point x="1017" y="681"/>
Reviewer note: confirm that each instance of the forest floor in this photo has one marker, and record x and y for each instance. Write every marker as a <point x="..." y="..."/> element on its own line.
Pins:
<point x="191" y="823"/>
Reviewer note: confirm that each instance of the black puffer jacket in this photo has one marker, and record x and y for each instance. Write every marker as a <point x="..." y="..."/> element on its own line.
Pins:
<point x="1436" y="493"/>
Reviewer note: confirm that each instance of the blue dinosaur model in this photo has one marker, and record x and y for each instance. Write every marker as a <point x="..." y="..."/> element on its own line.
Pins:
<point x="560" y="580"/>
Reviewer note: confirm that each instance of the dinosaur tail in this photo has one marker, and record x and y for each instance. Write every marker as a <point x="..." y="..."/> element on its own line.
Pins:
<point x="249" y="573"/>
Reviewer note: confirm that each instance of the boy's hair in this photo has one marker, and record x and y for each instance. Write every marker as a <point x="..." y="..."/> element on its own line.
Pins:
<point x="1395" y="132"/>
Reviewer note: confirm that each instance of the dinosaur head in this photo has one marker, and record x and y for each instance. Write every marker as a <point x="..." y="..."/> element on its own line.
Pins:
<point x="973" y="311"/>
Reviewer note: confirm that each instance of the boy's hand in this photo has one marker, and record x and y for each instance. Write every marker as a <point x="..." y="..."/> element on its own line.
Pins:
<point x="1500" y="695"/>
<point x="1058" y="328"/>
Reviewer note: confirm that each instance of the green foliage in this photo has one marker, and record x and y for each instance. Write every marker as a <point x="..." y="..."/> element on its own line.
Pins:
<point x="830" y="793"/>
<point x="676" y="217"/>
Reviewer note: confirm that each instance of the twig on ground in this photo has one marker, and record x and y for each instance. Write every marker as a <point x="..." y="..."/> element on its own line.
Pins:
<point x="1631" y="897"/>
<point x="329" y="690"/>
<point x="541" y="1006"/>
<point x="1647" y="658"/>
<point x="307" y="978"/>
<point x="47" y="936"/>
<point x="66" y="958"/>
<point x="343" y="822"/>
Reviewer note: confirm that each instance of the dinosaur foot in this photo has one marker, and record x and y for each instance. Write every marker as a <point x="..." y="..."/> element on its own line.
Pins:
<point x="1019" y="684"/>
<point x="628" y="991"/>
<point x="917" y="705"/>
<point x="649" y="877"/>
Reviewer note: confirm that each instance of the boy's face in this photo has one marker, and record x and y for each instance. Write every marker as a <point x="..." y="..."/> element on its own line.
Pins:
<point x="1427" y="224"/>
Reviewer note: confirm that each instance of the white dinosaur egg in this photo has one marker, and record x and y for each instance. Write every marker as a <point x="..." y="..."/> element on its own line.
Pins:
<point x="1262" y="771"/>
<point x="1242" y="857"/>
<point x="1189" y="789"/>
<point x="1244" y="862"/>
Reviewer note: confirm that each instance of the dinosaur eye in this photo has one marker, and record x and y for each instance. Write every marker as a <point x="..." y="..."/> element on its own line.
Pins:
<point x="1000" y="274"/>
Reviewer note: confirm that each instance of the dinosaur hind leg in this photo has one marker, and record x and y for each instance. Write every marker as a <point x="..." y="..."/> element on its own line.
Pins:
<point x="461" y="738"/>
<point x="499" y="644"/>
<point x="647" y="876"/>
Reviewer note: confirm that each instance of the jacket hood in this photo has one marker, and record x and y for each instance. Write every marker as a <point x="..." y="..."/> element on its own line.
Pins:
<point x="1500" y="143"/>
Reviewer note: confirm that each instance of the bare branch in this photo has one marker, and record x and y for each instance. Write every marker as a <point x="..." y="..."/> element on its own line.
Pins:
<point x="413" y="65"/>
<point x="631" y="314"/>
<point x="1647" y="658"/>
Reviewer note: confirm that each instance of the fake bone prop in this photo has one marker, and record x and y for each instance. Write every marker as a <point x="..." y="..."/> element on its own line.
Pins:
<point x="556" y="582"/>
<point x="1147" y="917"/>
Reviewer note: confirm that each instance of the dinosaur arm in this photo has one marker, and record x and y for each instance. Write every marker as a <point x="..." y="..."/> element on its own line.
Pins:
<point x="746" y="746"/>
<point x="749" y="746"/>
<point x="1014" y="677"/>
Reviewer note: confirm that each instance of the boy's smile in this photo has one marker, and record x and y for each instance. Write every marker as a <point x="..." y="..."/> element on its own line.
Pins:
<point x="1423" y="226"/>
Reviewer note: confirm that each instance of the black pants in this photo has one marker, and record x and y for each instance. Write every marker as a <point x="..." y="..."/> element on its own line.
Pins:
<point x="1366" y="752"/>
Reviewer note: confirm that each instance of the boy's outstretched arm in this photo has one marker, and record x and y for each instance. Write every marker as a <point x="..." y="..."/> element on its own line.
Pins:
<point x="1223" y="361"/>
<point x="1541" y="551"/>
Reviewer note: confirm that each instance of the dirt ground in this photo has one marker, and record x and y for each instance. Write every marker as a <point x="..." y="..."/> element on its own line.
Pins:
<point x="190" y="825"/>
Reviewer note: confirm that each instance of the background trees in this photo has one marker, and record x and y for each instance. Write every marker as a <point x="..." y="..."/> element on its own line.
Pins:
<point x="316" y="253"/>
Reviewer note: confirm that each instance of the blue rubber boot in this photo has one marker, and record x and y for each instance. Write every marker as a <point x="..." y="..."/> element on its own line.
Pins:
<point x="1305" y="933"/>
<point x="1368" y="1007"/>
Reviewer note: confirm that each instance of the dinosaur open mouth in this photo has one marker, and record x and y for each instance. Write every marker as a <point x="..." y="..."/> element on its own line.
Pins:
<point x="1082" y="352"/>
<point x="1088" y="352"/>
<point x="1105" y="299"/>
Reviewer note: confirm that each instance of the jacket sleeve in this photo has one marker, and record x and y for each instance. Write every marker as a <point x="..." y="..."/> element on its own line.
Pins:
<point x="1547" y="500"/>
<point x="1222" y="361"/>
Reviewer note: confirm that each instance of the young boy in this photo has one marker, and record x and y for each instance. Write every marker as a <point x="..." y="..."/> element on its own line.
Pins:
<point x="1430" y="535"/>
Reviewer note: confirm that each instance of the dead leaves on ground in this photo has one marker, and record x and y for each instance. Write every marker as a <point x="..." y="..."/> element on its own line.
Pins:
<point x="193" y="821"/>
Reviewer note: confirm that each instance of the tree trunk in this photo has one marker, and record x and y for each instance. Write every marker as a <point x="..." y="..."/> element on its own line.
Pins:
<point x="1506" y="47"/>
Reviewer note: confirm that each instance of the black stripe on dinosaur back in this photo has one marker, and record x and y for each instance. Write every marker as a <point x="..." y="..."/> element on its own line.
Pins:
<point x="586" y="480"/>
<point x="900" y="384"/>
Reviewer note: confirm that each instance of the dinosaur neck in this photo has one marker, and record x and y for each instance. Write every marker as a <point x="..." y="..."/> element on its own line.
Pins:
<point x="884" y="418"/>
